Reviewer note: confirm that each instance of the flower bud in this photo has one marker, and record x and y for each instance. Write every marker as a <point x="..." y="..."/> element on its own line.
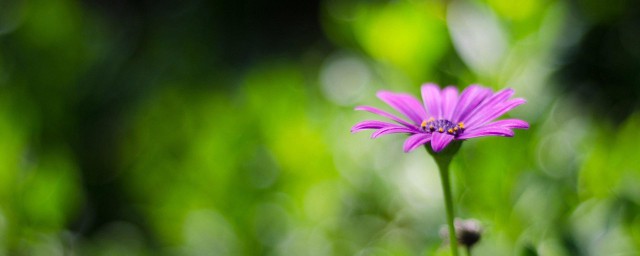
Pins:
<point x="468" y="232"/>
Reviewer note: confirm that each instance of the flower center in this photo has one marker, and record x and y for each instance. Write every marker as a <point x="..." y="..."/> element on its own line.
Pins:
<point x="441" y="126"/>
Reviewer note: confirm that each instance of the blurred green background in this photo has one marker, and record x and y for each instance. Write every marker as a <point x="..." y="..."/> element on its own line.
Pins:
<point x="140" y="127"/>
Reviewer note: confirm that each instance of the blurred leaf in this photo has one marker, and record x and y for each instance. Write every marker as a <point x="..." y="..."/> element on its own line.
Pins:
<point x="517" y="11"/>
<point x="410" y="36"/>
<point x="612" y="161"/>
<point x="478" y="37"/>
<point x="529" y="251"/>
<point x="51" y="192"/>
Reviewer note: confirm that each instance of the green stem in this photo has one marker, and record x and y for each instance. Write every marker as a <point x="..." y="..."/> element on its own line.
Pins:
<point x="443" y="166"/>
<point x="443" y="159"/>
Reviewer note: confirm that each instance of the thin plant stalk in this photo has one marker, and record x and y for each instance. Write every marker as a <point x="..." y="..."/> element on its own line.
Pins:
<point x="443" y="160"/>
<point x="448" y="200"/>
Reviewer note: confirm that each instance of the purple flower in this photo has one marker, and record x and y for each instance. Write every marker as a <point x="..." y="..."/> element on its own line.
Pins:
<point x="445" y="116"/>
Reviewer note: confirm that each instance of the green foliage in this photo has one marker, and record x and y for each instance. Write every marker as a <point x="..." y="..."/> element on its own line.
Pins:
<point x="132" y="131"/>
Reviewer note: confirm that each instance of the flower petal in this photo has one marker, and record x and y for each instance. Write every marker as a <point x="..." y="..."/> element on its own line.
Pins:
<point x="489" y="103"/>
<point x="431" y="98"/>
<point x="486" y="131"/>
<point x="371" y="124"/>
<point x="390" y="130"/>
<point x="415" y="141"/>
<point x="489" y="114"/>
<point x="449" y="101"/>
<point x="405" y="104"/>
<point x="385" y="114"/>
<point x="469" y="99"/>
<point x="509" y="123"/>
<point x="440" y="140"/>
<point x="500" y="96"/>
<point x="497" y="128"/>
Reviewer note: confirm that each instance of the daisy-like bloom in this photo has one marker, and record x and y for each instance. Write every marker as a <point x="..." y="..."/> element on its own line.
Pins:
<point x="445" y="115"/>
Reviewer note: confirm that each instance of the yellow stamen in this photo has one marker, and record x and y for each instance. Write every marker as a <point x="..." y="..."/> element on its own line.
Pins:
<point x="424" y="124"/>
<point x="431" y="119"/>
<point x="440" y="129"/>
<point x="450" y="131"/>
<point x="431" y="127"/>
<point x="455" y="128"/>
<point x="461" y="124"/>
